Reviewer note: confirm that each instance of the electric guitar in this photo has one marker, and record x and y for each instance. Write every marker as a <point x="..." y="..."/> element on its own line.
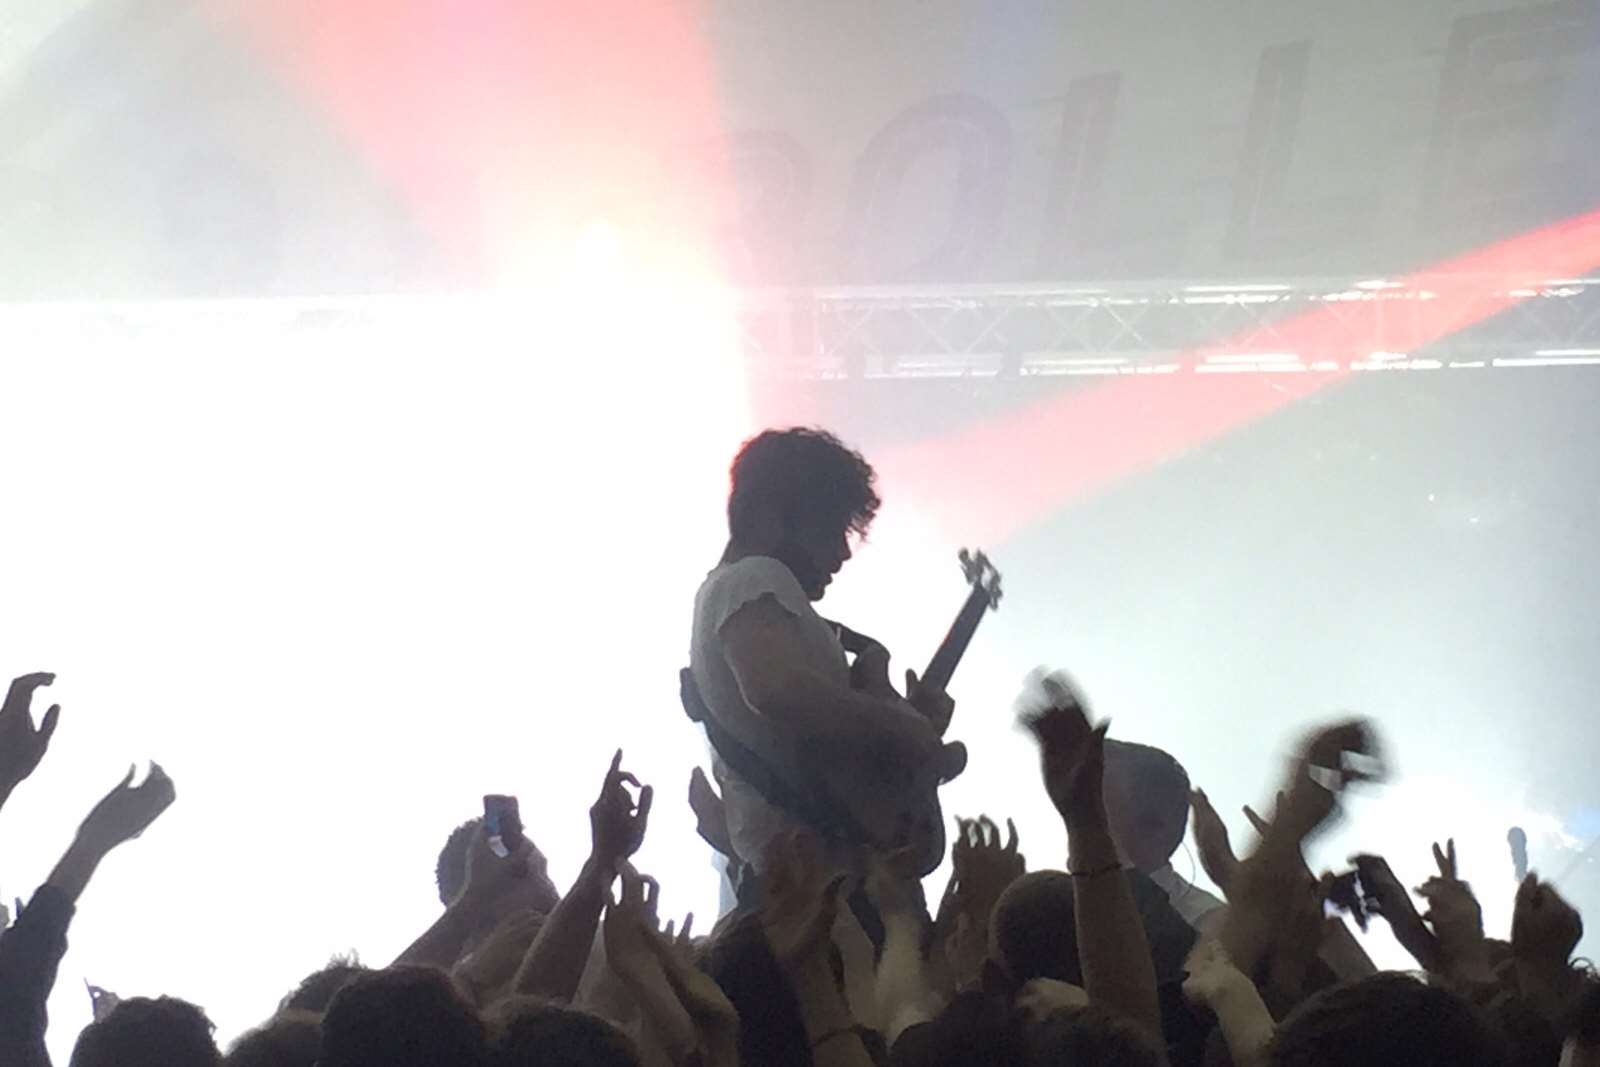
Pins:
<point x="893" y="805"/>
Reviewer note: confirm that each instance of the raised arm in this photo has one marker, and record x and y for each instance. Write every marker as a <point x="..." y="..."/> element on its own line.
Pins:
<point x="1387" y="898"/>
<point x="1118" y="972"/>
<point x="797" y="916"/>
<point x="1545" y="931"/>
<point x="687" y="1013"/>
<point x="1456" y="920"/>
<point x="488" y="895"/>
<point x="1214" y="982"/>
<point x="555" y="962"/>
<point x="1268" y="884"/>
<point x="904" y="993"/>
<point x="31" y="950"/>
<point x="981" y="870"/>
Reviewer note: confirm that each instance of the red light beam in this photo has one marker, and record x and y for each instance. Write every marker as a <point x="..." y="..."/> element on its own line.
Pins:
<point x="994" y="478"/>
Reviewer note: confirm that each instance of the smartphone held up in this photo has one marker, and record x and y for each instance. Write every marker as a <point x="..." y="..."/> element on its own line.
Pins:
<point x="503" y="822"/>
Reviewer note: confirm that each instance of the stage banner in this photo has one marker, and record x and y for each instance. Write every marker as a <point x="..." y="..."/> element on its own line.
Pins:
<point x="273" y="146"/>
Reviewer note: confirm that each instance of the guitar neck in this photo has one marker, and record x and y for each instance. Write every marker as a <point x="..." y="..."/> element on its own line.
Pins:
<point x="943" y="665"/>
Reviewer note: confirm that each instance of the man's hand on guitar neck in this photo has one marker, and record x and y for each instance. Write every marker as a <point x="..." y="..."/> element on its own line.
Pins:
<point x="869" y="673"/>
<point x="931" y="700"/>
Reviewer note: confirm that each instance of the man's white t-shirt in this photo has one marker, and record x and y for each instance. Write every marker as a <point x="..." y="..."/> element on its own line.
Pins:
<point x="752" y="822"/>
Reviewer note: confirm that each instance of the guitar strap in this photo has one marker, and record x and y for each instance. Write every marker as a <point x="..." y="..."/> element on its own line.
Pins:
<point x="810" y="806"/>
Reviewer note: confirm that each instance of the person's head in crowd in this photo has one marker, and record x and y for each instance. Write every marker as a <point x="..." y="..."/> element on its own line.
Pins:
<point x="1033" y="932"/>
<point x="1582" y="1045"/>
<point x="772" y="1032"/>
<point x="402" y="1017"/>
<point x="981" y="1029"/>
<point x="1531" y="1039"/>
<point x="799" y="495"/>
<point x="316" y="989"/>
<point x="141" y="1032"/>
<point x="450" y="872"/>
<point x="288" y="1039"/>
<point x="1147" y="803"/>
<point x="1387" y="1019"/>
<point x="529" y="1032"/>
<point x="974" y="1030"/>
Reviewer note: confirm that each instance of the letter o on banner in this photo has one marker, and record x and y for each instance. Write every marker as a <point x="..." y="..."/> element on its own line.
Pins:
<point x="895" y="236"/>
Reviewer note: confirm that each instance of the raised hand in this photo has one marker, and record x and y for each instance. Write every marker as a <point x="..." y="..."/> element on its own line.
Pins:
<point x="711" y="817"/>
<point x="680" y="941"/>
<point x="616" y="820"/>
<point x="1545" y="929"/>
<point x="22" y="745"/>
<point x="1211" y="839"/>
<point x="628" y="929"/>
<point x="630" y="919"/>
<point x="1455" y="918"/>
<point x="715" y="1021"/>
<point x="494" y="885"/>
<point x="982" y="867"/>
<point x="1384" y="894"/>
<point x="1071" y="751"/>
<point x="120" y="816"/>
<point x="1452" y="905"/>
<point x="801" y="901"/>
<point x="1270" y="887"/>
<point x="1329" y="761"/>
<point x="1387" y="897"/>
<point x="128" y="810"/>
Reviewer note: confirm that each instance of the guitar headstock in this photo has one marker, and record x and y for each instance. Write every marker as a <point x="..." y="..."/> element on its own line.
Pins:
<point x="982" y="576"/>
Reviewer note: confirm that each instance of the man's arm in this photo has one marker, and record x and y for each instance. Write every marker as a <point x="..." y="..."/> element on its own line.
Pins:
<point x="30" y="954"/>
<point x="762" y="644"/>
<point x="556" y="959"/>
<point x="1118" y="973"/>
<point x="491" y="888"/>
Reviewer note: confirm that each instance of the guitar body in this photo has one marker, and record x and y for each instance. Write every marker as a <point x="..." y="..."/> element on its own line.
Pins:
<point x="895" y="805"/>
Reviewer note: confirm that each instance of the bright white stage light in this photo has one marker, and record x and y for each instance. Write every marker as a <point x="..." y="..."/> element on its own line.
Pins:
<point x="343" y="580"/>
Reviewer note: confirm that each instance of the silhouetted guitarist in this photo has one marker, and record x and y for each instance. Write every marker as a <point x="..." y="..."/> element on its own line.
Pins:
<point x="775" y="682"/>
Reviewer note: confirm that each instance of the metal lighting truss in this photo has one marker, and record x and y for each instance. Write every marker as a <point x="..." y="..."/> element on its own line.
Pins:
<point x="922" y="332"/>
<point x="1023" y="330"/>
